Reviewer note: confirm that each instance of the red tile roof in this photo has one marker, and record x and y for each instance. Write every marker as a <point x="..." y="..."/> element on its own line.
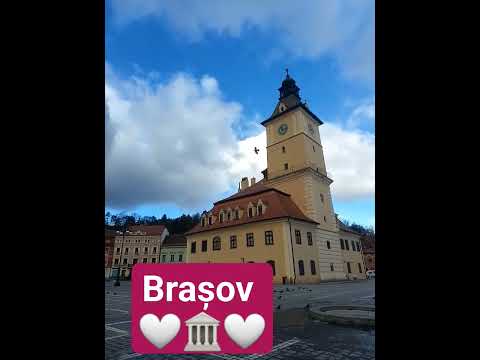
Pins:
<point x="176" y="240"/>
<point x="148" y="229"/>
<point x="277" y="203"/>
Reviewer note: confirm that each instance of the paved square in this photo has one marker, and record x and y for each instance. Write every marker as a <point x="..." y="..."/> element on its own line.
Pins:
<point x="295" y="336"/>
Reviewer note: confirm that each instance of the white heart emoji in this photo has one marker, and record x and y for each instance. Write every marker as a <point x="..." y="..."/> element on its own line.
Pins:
<point x="244" y="333"/>
<point x="160" y="332"/>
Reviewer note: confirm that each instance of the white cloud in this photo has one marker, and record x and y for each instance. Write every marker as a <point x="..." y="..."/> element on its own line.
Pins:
<point x="173" y="141"/>
<point x="342" y="28"/>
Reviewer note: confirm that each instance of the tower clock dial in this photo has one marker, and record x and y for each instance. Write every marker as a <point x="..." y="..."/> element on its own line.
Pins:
<point x="282" y="129"/>
<point x="310" y="128"/>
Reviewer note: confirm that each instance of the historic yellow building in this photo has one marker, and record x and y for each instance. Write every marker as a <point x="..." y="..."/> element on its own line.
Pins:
<point x="287" y="218"/>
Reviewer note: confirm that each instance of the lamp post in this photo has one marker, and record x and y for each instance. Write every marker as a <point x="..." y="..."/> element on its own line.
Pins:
<point x="117" y="281"/>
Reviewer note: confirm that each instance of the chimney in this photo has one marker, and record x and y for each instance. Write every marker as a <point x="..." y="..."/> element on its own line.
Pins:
<point x="244" y="183"/>
<point x="252" y="181"/>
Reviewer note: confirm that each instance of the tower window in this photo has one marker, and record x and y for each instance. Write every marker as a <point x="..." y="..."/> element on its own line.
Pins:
<point x="331" y="267"/>
<point x="285" y="166"/>
<point x="328" y="244"/>
<point x="283" y="149"/>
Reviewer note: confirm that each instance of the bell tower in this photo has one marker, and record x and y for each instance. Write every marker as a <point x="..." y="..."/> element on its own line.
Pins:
<point x="295" y="157"/>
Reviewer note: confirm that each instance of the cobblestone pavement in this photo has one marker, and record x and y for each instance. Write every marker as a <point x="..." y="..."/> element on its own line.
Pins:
<point x="295" y="336"/>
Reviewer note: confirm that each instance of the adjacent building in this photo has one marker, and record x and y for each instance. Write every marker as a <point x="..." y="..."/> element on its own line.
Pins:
<point x="139" y="244"/>
<point x="173" y="248"/>
<point x="351" y="250"/>
<point x="109" y="245"/>
<point x="287" y="218"/>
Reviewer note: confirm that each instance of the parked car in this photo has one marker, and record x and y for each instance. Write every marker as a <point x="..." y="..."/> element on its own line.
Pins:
<point x="370" y="274"/>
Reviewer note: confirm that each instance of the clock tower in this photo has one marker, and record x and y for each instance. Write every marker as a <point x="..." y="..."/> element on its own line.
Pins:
<point x="296" y="165"/>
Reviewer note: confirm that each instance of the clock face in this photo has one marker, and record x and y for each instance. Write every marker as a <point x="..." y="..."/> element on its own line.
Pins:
<point x="282" y="129"/>
<point x="310" y="128"/>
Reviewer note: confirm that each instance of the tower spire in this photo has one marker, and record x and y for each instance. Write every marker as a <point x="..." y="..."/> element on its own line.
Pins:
<point x="289" y="88"/>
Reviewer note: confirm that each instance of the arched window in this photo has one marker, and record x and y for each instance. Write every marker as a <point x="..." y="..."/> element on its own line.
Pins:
<point x="283" y="149"/>
<point x="229" y="215"/>
<point x="312" y="267"/>
<point x="259" y="210"/>
<point x="210" y="220"/>
<point x="250" y="212"/>
<point x="272" y="264"/>
<point x="203" y="221"/>
<point x="221" y="217"/>
<point x="301" y="269"/>
<point x="217" y="243"/>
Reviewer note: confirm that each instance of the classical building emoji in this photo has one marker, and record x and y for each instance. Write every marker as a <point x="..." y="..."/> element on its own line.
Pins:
<point x="202" y="333"/>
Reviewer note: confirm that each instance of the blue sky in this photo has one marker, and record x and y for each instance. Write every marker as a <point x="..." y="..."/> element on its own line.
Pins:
<point x="232" y="60"/>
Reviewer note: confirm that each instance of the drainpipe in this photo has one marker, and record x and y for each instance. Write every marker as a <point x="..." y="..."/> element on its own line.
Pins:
<point x="293" y="255"/>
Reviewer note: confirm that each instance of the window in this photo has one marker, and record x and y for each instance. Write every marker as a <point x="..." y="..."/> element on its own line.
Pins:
<point x="283" y="149"/>
<point x="164" y="258"/>
<point x="346" y="245"/>
<point x="154" y="260"/>
<point x="118" y="250"/>
<point x="309" y="238"/>
<point x="216" y="243"/>
<point x="342" y="244"/>
<point x="229" y="215"/>
<point x="259" y="210"/>
<point x="322" y="198"/>
<point x="221" y="217"/>
<point x="358" y="246"/>
<point x="180" y="257"/>
<point x="268" y="238"/>
<point x="250" y="212"/>
<point x="116" y="262"/>
<point x="193" y="247"/>
<point x="331" y="267"/>
<point x="233" y="242"/>
<point x="348" y="267"/>
<point x="125" y="261"/>
<point x="135" y="261"/>
<point x="237" y="214"/>
<point x="204" y="245"/>
<point x="172" y="258"/>
<point x="313" y="148"/>
<point x="203" y="222"/>
<point x="145" y="250"/>
<point x="328" y="244"/>
<point x="136" y="251"/>
<point x="312" y="267"/>
<point x="154" y="249"/>
<point x="353" y="246"/>
<point x="298" y="237"/>
<point x="272" y="264"/>
<point x="250" y="240"/>
<point x="126" y="251"/>
<point x="285" y="166"/>
<point x="210" y="220"/>
<point x="360" y="268"/>
<point x="325" y="218"/>
<point x="301" y="270"/>
<point x="145" y="260"/>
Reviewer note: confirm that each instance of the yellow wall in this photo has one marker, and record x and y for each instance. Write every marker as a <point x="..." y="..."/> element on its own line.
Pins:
<point x="280" y="252"/>
<point x="353" y="257"/>
<point x="175" y="251"/>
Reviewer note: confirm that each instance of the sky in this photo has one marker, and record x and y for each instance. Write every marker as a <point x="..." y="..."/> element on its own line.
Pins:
<point x="188" y="83"/>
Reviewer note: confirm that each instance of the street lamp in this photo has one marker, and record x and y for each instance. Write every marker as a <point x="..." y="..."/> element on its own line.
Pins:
<point x="117" y="281"/>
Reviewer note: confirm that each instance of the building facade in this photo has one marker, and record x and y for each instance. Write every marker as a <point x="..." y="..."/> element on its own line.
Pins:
<point x="352" y="255"/>
<point x="109" y="246"/>
<point x="139" y="244"/>
<point x="287" y="218"/>
<point x="173" y="249"/>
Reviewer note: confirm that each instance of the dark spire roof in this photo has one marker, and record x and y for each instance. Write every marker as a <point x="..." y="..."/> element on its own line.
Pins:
<point x="289" y="87"/>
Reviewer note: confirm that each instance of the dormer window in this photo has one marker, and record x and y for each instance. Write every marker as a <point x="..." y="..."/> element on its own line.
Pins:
<point x="203" y="221"/>
<point x="209" y="220"/>
<point x="259" y="209"/>
<point x="250" y="212"/>
<point x="229" y="215"/>
<point x="237" y="215"/>
<point x="221" y="217"/>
